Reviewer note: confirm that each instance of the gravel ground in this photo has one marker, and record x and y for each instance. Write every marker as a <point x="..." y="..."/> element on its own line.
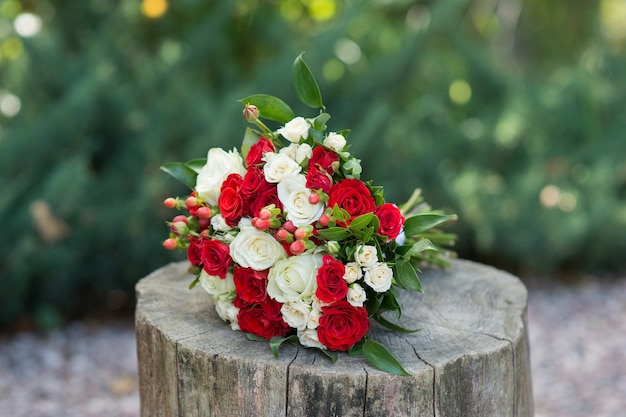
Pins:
<point x="578" y="356"/>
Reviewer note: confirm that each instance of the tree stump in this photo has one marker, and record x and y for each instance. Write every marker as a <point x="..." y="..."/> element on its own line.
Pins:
<point x="470" y="357"/>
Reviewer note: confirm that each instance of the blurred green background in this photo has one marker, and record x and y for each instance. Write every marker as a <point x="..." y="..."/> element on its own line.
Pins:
<point x="511" y="113"/>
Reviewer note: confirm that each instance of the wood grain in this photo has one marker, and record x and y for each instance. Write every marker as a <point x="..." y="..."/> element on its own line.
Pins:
<point x="470" y="357"/>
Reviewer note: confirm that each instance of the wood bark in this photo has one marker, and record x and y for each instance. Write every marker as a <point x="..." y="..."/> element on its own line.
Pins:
<point x="470" y="357"/>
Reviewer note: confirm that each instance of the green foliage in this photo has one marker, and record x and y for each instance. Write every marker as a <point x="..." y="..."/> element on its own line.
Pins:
<point x="514" y="120"/>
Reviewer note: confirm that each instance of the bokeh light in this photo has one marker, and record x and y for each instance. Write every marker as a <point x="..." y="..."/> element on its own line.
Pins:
<point x="460" y="92"/>
<point x="322" y="10"/>
<point x="27" y="25"/>
<point x="10" y="104"/>
<point x="154" y="8"/>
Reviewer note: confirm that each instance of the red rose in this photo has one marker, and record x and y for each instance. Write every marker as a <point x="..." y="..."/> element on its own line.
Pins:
<point x="230" y="201"/>
<point x="257" y="192"/>
<point x="255" y="155"/>
<point x="390" y="219"/>
<point x="194" y="251"/>
<point x="215" y="258"/>
<point x="250" y="285"/>
<point x="316" y="179"/>
<point x="324" y="159"/>
<point x="353" y="196"/>
<point x="330" y="283"/>
<point x="342" y="325"/>
<point x="263" y="320"/>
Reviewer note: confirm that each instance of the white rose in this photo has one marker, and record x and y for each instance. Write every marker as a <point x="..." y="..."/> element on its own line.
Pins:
<point x="314" y="318"/>
<point x="296" y="314"/>
<point x="378" y="277"/>
<point x="297" y="152"/>
<point x="227" y="312"/>
<point x="294" y="195"/>
<point x="353" y="272"/>
<point x="295" y="130"/>
<point x="219" y="165"/>
<point x="309" y="338"/>
<point x="255" y="249"/>
<point x="356" y="295"/>
<point x="279" y="166"/>
<point x="220" y="289"/>
<point x="401" y="238"/>
<point x="335" y="141"/>
<point x="294" y="278"/>
<point x="219" y="224"/>
<point x="366" y="255"/>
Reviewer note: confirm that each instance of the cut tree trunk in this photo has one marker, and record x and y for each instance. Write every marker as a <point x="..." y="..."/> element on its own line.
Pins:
<point x="470" y="357"/>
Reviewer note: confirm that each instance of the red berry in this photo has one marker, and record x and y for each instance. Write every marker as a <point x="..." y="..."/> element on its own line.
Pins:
<point x="180" y="218"/>
<point x="314" y="198"/>
<point x="204" y="223"/>
<point x="203" y="213"/>
<point x="297" y="247"/>
<point x="262" y="224"/>
<point x="169" y="202"/>
<point x="170" y="244"/>
<point x="289" y="226"/>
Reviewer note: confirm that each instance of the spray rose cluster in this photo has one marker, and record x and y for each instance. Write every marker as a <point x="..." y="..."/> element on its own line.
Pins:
<point x="290" y="242"/>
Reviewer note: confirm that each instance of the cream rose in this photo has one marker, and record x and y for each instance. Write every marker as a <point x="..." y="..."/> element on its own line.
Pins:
<point x="296" y="314"/>
<point x="294" y="278"/>
<point x="219" y="165"/>
<point x="314" y="318"/>
<point x="378" y="277"/>
<point x="353" y="272"/>
<point x="227" y="312"/>
<point x="220" y="289"/>
<point x="335" y="141"/>
<point x="295" y="130"/>
<point x="219" y="224"/>
<point x="279" y="166"/>
<point x="309" y="338"/>
<point x="356" y="295"/>
<point x="298" y="152"/>
<point x="255" y="249"/>
<point x="294" y="195"/>
<point x="366" y="255"/>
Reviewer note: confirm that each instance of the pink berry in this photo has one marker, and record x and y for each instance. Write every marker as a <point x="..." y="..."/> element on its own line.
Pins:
<point x="265" y="214"/>
<point x="204" y="223"/>
<point x="299" y="234"/>
<point x="281" y="235"/>
<point x="262" y="224"/>
<point x="289" y="226"/>
<point x="180" y="218"/>
<point x="324" y="220"/>
<point x="191" y="202"/>
<point x="169" y="202"/>
<point x="170" y="244"/>
<point x="314" y="198"/>
<point x="203" y="212"/>
<point x="297" y="247"/>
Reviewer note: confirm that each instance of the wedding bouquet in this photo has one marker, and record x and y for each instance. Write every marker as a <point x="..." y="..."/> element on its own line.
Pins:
<point x="288" y="240"/>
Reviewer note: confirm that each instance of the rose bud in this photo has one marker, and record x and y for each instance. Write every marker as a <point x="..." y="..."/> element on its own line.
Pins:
<point x="333" y="247"/>
<point x="169" y="202"/>
<point x="203" y="212"/>
<point x="250" y="112"/>
<point x="179" y="228"/>
<point x="170" y="244"/>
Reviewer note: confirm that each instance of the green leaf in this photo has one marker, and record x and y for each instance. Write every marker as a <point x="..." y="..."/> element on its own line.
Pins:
<point x="422" y="222"/>
<point x="181" y="172"/>
<point x="361" y="222"/>
<point x="357" y="348"/>
<point x="334" y="233"/>
<point x="420" y="246"/>
<point x="250" y="137"/>
<point x="406" y="276"/>
<point x="332" y="355"/>
<point x="379" y="357"/>
<point x="373" y="304"/>
<point x="390" y="303"/>
<point x="306" y="87"/>
<point x="340" y="214"/>
<point x="276" y="341"/>
<point x="196" y="164"/>
<point x="255" y="338"/>
<point x="319" y="123"/>
<point x="194" y="282"/>
<point x="393" y="326"/>
<point x="270" y="107"/>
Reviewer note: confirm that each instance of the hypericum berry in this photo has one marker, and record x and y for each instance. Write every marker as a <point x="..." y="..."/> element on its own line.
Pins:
<point x="314" y="198"/>
<point x="180" y="218"/>
<point x="281" y="235"/>
<point x="299" y="233"/>
<point x="297" y="247"/>
<point x="265" y="214"/>
<point x="203" y="212"/>
<point x="191" y="202"/>
<point x="169" y="202"/>
<point x="262" y="224"/>
<point x="170" y="244"/>
<point x="204" y="223"/>
<point x="324" y="220"/>
<point x="289" y="226"/>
